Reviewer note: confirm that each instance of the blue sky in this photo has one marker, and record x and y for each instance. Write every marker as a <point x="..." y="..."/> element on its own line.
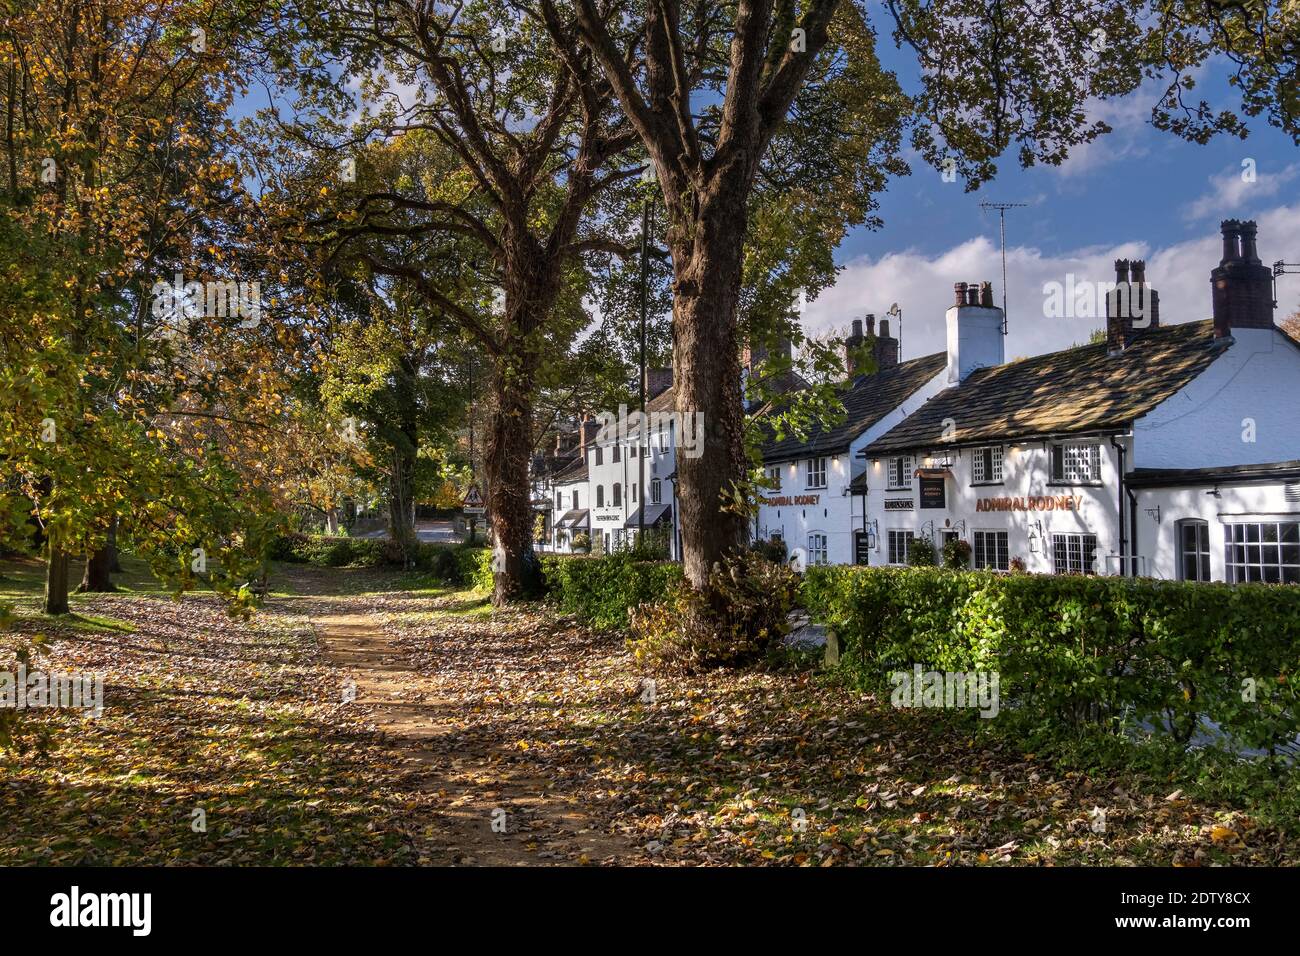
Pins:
<point x="1134" y="193"/>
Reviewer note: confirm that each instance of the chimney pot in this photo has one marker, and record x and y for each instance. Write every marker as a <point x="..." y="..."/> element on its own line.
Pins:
<point x="986" y="294"/>
<point x="1138" y="271"/>
<point x="884" y="328"/>
<point x="1121" y="271"/>
<point x="1248" y="252"/>
<point x="857" y="330"/>
<point x="1231" y="230"/>
<point x="959" y="292"/>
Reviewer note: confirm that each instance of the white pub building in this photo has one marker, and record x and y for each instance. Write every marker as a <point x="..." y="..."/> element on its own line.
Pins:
<point x="1170" y="451"/>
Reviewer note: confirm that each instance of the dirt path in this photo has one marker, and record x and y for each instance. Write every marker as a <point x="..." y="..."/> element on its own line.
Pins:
<point x="493" y="811"/>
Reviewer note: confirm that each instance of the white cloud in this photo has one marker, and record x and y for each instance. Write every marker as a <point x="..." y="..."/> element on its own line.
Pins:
<point x="922" y="285"/>
<point x="1239" y="186"/>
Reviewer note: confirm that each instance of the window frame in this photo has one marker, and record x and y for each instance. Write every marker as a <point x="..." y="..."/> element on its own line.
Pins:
<point x="1064" y="448"/>
<point x="907" y="467"/>
<point x="1065" y="540"/>
<point x="1201" y="555"/>
<point x="998" y="465"/>
<point x="981" y="548"/>
<point x="811" y="472"/>
<point x="908" y="536"/>
<point x="656" y="491"/>
<point x="1244" y="552"/>
<point x="818" y="548"/>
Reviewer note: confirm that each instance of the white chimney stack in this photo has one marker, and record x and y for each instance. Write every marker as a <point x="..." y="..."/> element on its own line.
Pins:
<point x="975" y="337"/>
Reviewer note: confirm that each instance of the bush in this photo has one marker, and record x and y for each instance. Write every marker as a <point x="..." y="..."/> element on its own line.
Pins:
<point x="956" y="554"/>
<point x="920" y="553"/>
<point x="474" y="567"/>
<point x="1074" y="650"/>
<point x="600" y="591"/>
<point x="581" y="542"/>
<point x="736" y="620"/>
<point x="773" y="549"/>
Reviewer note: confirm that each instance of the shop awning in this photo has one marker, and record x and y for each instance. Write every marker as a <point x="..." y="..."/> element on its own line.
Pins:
<point x="654" y="514"/>
<point x="574" y="519"/>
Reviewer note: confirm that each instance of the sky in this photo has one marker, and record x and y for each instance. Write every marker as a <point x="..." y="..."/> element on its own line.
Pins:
<point x="1134" y="193"/>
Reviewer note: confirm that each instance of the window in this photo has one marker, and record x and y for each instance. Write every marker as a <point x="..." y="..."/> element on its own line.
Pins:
<point x="633" y="487"/>
<point x="900" y="542"/>
<point x="989" y="551"/>
<point x="816" y="474"/>
<point x="816" y="548"/>
<point x="599" y="458"/>
<point x="600" y="496"/>
<point x="1193" y="550"/>
<point x="1269" y="552"/>
<point x="1076" y="464"/>
<point x="618" y="494"/>
<point x="986" y="465"/>
<point x="575" y="499"/>
<point x="900" y="473"/>
<point x="559" y="500"/>
<point x="656" y="492"/>
<point x="1074" y="553"/>
<point x="618" y="453"/>
<point x="775" y="475"/>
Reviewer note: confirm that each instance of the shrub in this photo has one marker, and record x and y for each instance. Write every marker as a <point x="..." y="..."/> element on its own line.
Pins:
<point x="600" y="591"/>
<point x="735" y="620"/>
<point x="956" y="554"/>
<point x="920" y="553"/>
<point x="773" y="549"/>
<point x="475" y="567"/>
<point x="581" y="542"/>
<point x="1075" y="650"/>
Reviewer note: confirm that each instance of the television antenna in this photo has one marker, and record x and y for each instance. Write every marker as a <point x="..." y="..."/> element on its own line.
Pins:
<point x="1002" y="208"/>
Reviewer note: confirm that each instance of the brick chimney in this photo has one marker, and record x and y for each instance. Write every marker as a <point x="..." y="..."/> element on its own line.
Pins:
<point x="1242" y="286"/>
<point x="1132" y="306"/>
<point x="975" y="337"/>
<point x="657" y="381"/>
<point x="854" y="342"/>
<point x="885" y="348"/>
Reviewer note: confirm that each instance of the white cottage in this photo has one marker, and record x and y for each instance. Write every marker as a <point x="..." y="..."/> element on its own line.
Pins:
<point x="1169" y="451"/>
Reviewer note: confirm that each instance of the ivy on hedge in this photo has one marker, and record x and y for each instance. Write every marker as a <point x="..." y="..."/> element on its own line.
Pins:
<point x="1073" y="650"/>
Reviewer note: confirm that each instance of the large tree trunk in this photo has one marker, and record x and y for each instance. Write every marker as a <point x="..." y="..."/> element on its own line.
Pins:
<point x="56" y="579"/>
<point x="96" y="578"/>
<point x="110" y="545"/>
<point x="401" y="504"/>
<point x="505" y="460"/>
<point x="706" y="352"/>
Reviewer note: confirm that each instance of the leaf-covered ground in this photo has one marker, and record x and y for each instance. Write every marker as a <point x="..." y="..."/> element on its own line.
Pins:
<point x="356" y="722"/>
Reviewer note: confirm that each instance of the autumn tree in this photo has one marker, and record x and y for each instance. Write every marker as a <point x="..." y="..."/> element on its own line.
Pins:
<point x="528" y="155"/>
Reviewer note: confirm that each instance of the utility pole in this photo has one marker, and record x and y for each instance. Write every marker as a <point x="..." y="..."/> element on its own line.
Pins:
<point x="1002" y="208"/>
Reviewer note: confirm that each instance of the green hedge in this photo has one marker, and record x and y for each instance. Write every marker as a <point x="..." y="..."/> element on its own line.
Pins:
<point x="1079" y="650"/>
<point x="458" y="564"/>
<point x="600" y="590"/>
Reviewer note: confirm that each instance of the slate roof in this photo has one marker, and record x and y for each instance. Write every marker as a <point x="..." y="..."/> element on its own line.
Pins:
<point x="1160" y="477"/>
<point x="1078" y="390"/>
<point x="575" y="472"/>
<point x="868" y="400"/>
